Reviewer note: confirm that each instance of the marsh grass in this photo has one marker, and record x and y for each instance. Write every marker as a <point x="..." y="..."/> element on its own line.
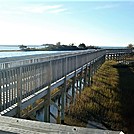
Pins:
<point x="126" y="84"/>
<point x="109" y="100"/>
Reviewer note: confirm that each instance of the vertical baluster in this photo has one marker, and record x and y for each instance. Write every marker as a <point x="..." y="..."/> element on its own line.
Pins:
<point x="27" y="81"/>
<point x="47" y="106"/>
<point x="31" y="79"/>
<point x="19" y="90"/>
<point x="16" y="88"/>
<point x="4" y="88"/>
<point x="10" y="87"/>
<point x="41" y="67"/>
<point x="7" y="88"/>
<point x="13" y="83"/>
<point x="0" y="93"/>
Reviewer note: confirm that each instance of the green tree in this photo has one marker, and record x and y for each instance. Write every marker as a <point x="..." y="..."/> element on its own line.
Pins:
<point x="130" y="46"/>
<point x="71" y="44"/>
<point x="82" y="45"/>
<point x="58" y="43"/>
<point x="22" y="47"/>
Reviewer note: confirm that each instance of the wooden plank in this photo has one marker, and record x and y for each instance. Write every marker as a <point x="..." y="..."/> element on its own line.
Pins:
<point x="2" y="91"/>
<point x="12" y="125"/>
<point x="15" y="86"/>
<point x="24" y="83"/>
<point x="27" y="81"/>
<point x="35" y="76"/>
<point x="19" y="91"/>
<point x="30" y="80"/>
<point x="10" y="88"/>
<point x="4" y="94"/>
<point x="7" y="89"/>
<point x="0" y="94"/>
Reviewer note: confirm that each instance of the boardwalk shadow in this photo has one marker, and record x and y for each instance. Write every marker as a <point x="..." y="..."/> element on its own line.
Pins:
<point x="126" y="86"/>
<point x="109" y="100"/>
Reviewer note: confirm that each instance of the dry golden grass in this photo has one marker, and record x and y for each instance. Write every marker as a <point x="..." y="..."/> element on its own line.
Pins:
<point x="109" y="100"/>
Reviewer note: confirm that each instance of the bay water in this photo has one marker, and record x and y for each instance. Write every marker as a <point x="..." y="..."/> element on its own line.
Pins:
<point x="4" y="53"/>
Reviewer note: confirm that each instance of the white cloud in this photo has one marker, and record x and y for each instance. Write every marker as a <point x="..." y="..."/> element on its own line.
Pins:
<point x="41" y="8"/>
<point x="58" y="10"/>
<point x="107" y="6"/>
<point x="12" y="12"/>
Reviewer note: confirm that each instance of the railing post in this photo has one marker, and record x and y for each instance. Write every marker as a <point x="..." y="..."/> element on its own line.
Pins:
<point x="47" y="106"/>
<point x="0" y="93"/>
<point x="74" y="81"/>
<point x="93" y="67"/>
<point x="81" y="77"/>
<point x="89" y="75"/>
<point x="58" y="117"/>
<point x="19" y="91"/>
<point x="91" y="72"/>
<point x="73" y="88"/>
<point x="85" y="77"/>
<point x="63" y="101"/>
<point x="46" y="112"/>
<point x="104" y="58"/>
<point x="63" y="95"/>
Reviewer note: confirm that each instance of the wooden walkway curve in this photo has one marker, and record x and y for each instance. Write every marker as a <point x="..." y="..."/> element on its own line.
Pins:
<point x="25" y="80"/>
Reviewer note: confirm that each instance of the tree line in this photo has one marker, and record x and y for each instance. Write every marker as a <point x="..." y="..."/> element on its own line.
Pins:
<point x="58" y="46"/>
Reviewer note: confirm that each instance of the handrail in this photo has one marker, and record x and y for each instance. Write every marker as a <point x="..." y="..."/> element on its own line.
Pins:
<point x="23" y="60"/>
<point x="19" y="82"/>
<point x="27" y="76"/>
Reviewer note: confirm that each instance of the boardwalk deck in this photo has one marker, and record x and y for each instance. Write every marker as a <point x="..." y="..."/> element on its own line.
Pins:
<point x="9" y="125"/>
<point x="18" y="83"/>
<point x="28" y="79"/>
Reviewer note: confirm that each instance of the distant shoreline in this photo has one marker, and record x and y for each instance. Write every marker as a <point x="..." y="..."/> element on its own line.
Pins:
<point x="10" y="50"/>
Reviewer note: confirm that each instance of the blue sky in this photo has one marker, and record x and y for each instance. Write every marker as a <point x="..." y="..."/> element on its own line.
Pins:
<point x="35" y="22"/>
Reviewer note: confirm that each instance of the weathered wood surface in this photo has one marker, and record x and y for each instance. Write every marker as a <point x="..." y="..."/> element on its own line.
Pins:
<point x="23" y="84"/>
<point x="125" y="50"/>
<point x="9" y="125"/>
<point x="17" y="83"/>
<point x="9" y="62"/>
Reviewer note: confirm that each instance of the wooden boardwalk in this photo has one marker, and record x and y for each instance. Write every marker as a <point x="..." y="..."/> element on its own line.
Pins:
<point x="24" y="80"/>
<point x="9" y="125"/>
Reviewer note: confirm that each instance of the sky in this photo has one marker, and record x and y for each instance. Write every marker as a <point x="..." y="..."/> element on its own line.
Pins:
<point x="37" y="22"/>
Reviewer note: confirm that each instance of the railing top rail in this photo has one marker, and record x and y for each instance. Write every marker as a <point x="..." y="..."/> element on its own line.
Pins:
<point x="10" y="62"/>
<point x="37" y="56"/>
<point x="129" y="50"/>
<point x="27" y="57"/>
<point x="103" y="52"/>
